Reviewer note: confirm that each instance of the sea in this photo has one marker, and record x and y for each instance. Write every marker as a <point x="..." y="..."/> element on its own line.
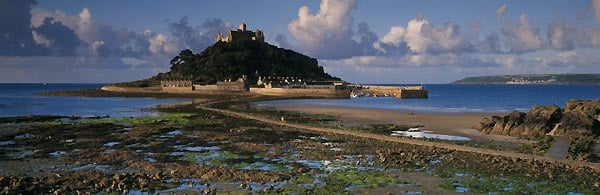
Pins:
<point x="457" y="98"/>
<point x="20" y="100"/>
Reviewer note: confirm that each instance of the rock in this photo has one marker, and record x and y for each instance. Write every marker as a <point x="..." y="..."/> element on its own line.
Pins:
<point x="540" y="120"/>
<point x="579" y="117"/>
<point x="503" y="125"/>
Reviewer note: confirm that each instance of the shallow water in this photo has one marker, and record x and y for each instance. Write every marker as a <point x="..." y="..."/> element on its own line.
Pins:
<point x="111" y="144"/>
<point x="428" y="134"/>
<point x="201" y="148"/>
<point x="19" y="100"/>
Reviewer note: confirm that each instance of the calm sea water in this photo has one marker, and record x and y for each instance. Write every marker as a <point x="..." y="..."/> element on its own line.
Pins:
<point x="18" y="100"/>
<point x="468" y="98"/>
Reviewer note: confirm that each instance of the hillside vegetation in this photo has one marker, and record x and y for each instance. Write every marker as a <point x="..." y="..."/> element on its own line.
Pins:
<point x="593" y="79"/>
<point x="223" y="61"/>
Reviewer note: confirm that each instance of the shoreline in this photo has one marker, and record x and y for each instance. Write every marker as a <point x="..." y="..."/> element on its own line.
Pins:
<point x="456" y="124"/>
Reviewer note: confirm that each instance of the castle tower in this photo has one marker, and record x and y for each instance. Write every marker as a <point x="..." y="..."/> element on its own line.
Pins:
<point x="240" y="34"/>
<point x="219" y="37"/>
<point x="243" y="27"/>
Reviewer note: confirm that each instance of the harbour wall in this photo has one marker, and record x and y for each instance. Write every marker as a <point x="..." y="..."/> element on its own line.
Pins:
<point x="131" y="89"/>
<point x="396" y="91"/>
<point x="301" y="92"/>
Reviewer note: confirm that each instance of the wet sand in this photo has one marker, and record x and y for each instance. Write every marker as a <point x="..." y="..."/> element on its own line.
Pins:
<point x="459" y="124"/>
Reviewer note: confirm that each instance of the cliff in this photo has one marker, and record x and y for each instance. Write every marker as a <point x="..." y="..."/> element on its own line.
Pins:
<point x="578" y="118"/>
<point x="583" y="79"/>
<point x="231" y="60"/>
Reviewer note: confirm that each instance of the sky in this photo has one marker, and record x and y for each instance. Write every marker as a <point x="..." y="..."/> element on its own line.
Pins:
<point x="379" y="41"/>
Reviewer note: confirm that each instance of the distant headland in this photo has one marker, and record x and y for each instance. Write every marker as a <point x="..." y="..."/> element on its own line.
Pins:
<point x="565" y="79"/>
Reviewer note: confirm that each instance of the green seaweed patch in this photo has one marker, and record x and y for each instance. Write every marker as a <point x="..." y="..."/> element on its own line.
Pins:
<point x="230" y="159"/>
<point x="303" y="179"/>
<point x="540" y="146"/>
<point x="363" y="179"/>
<point x="342" y="182"/>
<point x="582" y="148"/>
<point x="170" y="119"/>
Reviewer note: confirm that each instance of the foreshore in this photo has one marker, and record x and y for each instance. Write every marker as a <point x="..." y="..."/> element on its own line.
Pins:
<point x="211" y="144"/>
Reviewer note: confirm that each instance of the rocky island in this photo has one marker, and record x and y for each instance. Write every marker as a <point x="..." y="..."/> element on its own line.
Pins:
<point x="243" y="62"/>
<point x="572" y="79"/>
<point x="240" y="62"/>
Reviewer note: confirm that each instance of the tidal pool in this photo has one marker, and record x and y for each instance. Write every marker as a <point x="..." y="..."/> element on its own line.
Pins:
<point x="429" y="134"/>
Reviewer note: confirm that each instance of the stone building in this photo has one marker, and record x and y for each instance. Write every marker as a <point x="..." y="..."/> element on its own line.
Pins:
<point x="176" y="83"/>
<point x="280" y="82"/>
<point x="297" y="83"/>
<point x="241" y="34"/>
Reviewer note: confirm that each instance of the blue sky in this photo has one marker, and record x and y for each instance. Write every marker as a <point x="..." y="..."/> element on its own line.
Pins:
<point x="385" y="41"/>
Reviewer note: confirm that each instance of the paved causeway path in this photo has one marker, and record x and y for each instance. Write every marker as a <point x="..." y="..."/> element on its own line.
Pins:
<point x="405" y="140"/>
<point x="559" y="149"/>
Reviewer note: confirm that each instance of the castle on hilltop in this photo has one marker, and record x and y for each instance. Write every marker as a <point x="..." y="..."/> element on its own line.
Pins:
<point x="241" y="34"/>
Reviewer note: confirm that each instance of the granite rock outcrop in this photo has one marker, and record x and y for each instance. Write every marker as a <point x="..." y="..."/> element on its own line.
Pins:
<point x="578" y="118"/>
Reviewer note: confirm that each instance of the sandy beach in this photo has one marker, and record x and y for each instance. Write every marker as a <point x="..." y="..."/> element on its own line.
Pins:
<point x="459" y="124"/>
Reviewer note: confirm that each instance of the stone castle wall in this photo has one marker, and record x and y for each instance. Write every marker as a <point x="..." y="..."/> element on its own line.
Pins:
<point x="222" y="86"/>
<point x="231" y="86"/>
<point x="206" y="87"/>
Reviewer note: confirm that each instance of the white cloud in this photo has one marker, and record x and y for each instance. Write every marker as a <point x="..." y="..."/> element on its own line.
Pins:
<point x="330" y="22"/>
<point x="423" y="37"/>
<point x="39" y="14"/>
<point x="528" y="35"/>
<point x="414" y="36"/>
<point x="328" y="33"/>
<point x="448" y="38"/>
<point x="96" y="47"/>
<point x="448" y="67"/>
<point x="41" y="39"/>
<point x="395" y="36"/>
<point x="595" y="7"/>
<point x="561" y="36"/>
<point x="103" y="40"/>
<point x="523" y="37"/>
<point x="133" y="61"/>
<point x="159" y="44"/>
<point x="418" y="60"/>
<point x="85" y="27"/>
<point x="592" y="37"/>
<point x="501" y="11"/>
